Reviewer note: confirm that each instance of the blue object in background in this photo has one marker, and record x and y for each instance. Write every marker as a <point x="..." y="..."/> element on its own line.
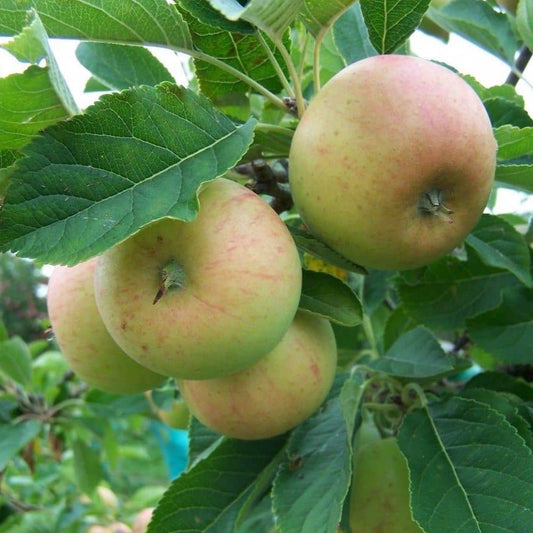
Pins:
<point x="174" y="444"/>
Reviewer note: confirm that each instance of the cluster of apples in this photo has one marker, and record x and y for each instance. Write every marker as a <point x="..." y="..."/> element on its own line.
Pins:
<point x="212" y="303"/>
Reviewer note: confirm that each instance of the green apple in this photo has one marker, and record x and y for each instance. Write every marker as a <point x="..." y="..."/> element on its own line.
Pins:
<point x="393" y="162"/>
<point x="80" y="333"/>
<point x="201" y="299"/>
<point x="379" y="499"/>
<point x="177" y="416"/>
<point x="277" y="393"/>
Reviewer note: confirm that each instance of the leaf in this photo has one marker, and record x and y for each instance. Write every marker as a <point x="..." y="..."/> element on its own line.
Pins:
<point x="318" y="15"/>
<point x="87" y="466"/>
<point x="514" y="142"/>
<point x="524" y="21"/>
<point x="351" y="36"/>
<point x="207" y="14"/>
<point x="155" y="22"/>
<point x="312" y="482"/>
<point x="478" y="22"/>
<point x="507" y="331"/>
<point x="15" y="360"/>
<point x="331" y="298"/>
<point x="503" y="112"/>
<point x="29" y="104"/>
<point x="445" y="294"/>
<point x="199" y="501"/>
<point x="499" y="245"/>
<point x="271" y="16"/>
<point x="397" y="324"/>
<point x="14" y="437"/>
<point x="498" y="381"/>
<point x="119" y="67"/>
<point x="416" y="354"/>
<point x="517" y="176"/>
<point x="27" y="46"/>
<point x="391" y="23"/>
<point x="202" y="441"/>
<point x="470" y="471"/>
<point x="132" y="158"/>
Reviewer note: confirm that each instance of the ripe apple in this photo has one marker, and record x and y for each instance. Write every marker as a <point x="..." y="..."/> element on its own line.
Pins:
<point x="91" y="352"/>
<point x="277" y="393"/>
<point x="379" y="499"/>
<point x="226" y="286"/>
<point x="393" y="161"/>
<point x="141" y="520"/>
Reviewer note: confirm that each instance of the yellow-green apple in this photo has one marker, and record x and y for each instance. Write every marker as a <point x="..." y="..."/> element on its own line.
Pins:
<point x="379" y="499"/>
<point x="204" y="298"/>
<point x="141" y="520"/>
<point x="80" y="333"/>
<point x="393" y="161"/>
<point x="277" y="393"/>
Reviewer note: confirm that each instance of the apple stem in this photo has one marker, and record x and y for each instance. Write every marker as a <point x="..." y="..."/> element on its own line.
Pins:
<point x="172" y="275"/>
<point x="431" y="202"/>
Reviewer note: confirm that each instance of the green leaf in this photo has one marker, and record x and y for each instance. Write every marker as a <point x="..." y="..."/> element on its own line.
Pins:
<point x="507" y="331"/>
<point x="87" y="466"/>
<point x="206" y="13"/>
<point x="391" y="23"/>
<point x="318" y="15"/>
<point x="14" y="437"/>
<point x="478" y="22"/>
<point x="524" y="21"/>
<point x="499" y="245"/>
<point x="312" y="482"/>
<point x="155" y="22"/>
<point x="198" y="501"/>
<point x="470" y="471"/>
<point x="516" y="176"/>
<point x="202" y="441"/>
<point x="449" y="291"/>
<point x="503" y="112"/>
<point x="29" y="104"/>
<point x="271" y="16"/>
<point x="351" y="36"/>
<point x="416" y="354"/>
<point x="514" y="142"/>
<point x="119" y="66"/>
<point x="15" y="360"/>
<point x="132" y="158"/>
<point x="398" y="323"/>
<point x="330" y="298"/>
<point x="497" y="381"/>
<point x="27" y="46"/>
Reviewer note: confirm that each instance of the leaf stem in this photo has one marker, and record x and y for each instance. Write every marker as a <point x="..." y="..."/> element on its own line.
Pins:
<point x="275" y="63"/>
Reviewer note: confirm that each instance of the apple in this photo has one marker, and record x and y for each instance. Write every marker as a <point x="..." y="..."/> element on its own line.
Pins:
<point x="116" y="527"/>
<point x="84" y="341"/>
<point x="141" y="520"/>
<point x="177" y="416"/>
<point x="205" y="298"/>
<point x="277" y="393"/>
<point x="379" y="499"/>
<point x="393" y="162"/>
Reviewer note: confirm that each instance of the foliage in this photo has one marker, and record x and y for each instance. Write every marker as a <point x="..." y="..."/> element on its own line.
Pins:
<point x="440" y="356"/>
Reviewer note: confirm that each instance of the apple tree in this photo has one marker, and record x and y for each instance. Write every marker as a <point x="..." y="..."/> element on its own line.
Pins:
<point x="427" y="423"/>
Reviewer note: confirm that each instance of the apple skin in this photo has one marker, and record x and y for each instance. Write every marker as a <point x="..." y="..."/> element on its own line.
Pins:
<point x="277" y="393"/>
<point x="78" y="328"/>
<point x="379" y="499"/>
<point x="142" y="519"/>
<point x="241" y="290"/>
<point x="379" y="136"/>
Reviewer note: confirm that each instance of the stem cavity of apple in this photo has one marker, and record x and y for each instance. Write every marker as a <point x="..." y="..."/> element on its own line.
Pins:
<point x="431" y="202"/>
<point x="172" y="275"/>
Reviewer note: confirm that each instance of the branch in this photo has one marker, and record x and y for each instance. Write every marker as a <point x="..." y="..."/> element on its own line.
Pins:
<point x="520" y="65"/>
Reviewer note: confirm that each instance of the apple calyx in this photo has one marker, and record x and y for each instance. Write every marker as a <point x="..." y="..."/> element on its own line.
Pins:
<point x="431" y="202"/>
<point x="172" y="275"/>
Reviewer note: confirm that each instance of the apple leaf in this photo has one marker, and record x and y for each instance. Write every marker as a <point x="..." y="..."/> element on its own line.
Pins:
<point x="446" y="293"/>
<point x="416" y="354"/>
<point x="524" y="21"/>
<point x="390" y="23"/>
<point x="197" y="501"/>
<point x="457" y="481"/>
<point x="398" y="323"/>
<point x="331" y="298"/>
<point x="155" y="22"/>
<point x="271" y="16"/>
<point x="478" y="22"/>
<point x="131" y="158"/>
<point x="499" y="245"/>
<point x="14" y="437"/>
<point x="507" y="331"/>
<point x="314" y="478"/>
<point x="29" y="104"/>
<point x="318" y="15"/>
<point x="514" y="142"/>
<point x="87" y="466"/>
<point x="500" y="382"/>
<point x="202" y="441"/>
<point x="516" y="176"/>
<point x="118" y="66"/>
<point x="15" y="360"/>
<point x="351" y="36"/>
<point x="207" y="14"/>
